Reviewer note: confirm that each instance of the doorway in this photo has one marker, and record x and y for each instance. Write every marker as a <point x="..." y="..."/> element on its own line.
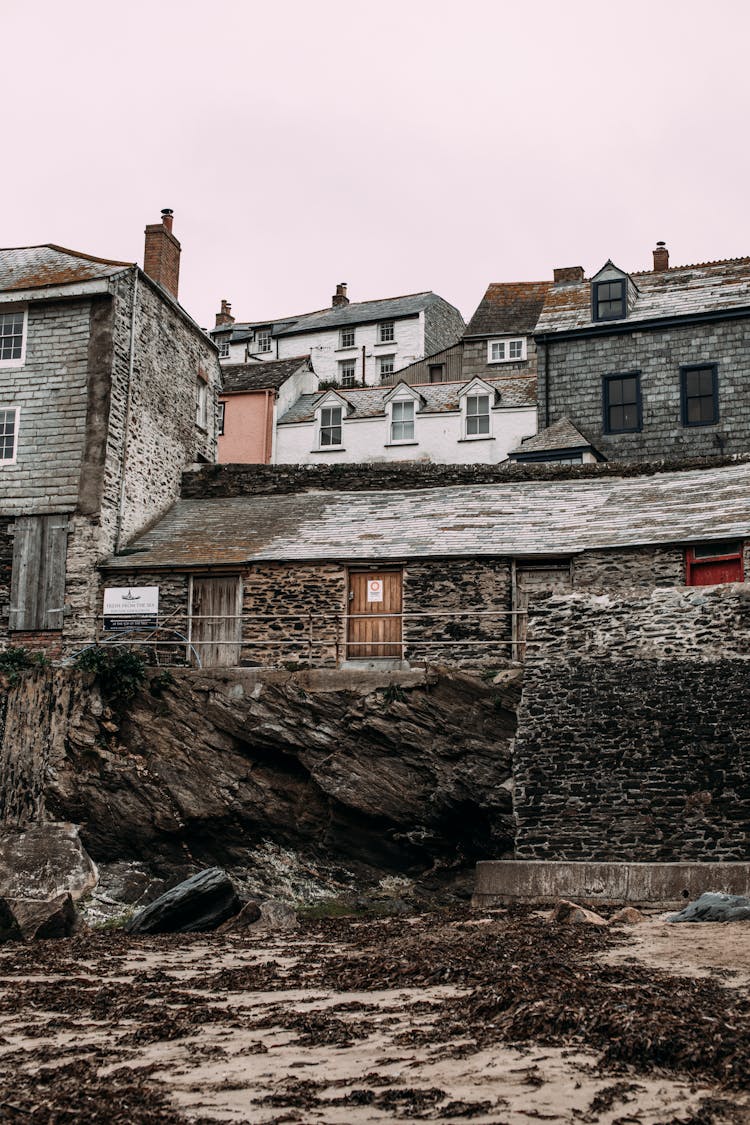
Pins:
<point x="215" y="626"/>
<point x="375" y="606"/>
<point x="533" y="579"/>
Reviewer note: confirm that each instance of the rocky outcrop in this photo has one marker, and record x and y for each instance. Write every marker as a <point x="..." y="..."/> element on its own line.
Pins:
<point x="196" y="905"/>
<point x="44" y="860"/>
<point x="401" y="770"/>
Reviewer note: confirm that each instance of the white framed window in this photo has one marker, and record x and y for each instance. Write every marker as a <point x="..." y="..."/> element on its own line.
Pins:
<point x="348" y="336"/>
<point x="386" y="332"/>
<point x="330" y="426"/>
<point x="402" y="421"/>
<point x="12" y="337"/>
<point x="477" y="416"/>
<point x="201" y="403"/>
<point x="347" y="372"/>
<point x="263" y="339"/>
<point x="8" y="434"/>
<point x="506" y="351"/>
<point x="385" y="365"/>
<point x="222" y="417"/>
<point x="224" y="348"/>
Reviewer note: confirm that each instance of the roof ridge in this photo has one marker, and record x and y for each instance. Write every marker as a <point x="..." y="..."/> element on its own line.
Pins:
<point x="67" y="250"/>
<point x="693" y="265"/>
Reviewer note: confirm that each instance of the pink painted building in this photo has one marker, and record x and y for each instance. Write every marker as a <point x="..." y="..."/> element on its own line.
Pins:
<point x="254" y="395"/>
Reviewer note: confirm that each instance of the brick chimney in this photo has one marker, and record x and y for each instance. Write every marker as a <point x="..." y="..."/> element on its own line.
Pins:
<point x="161" y="256"/>
<point x="566" y="275"/>
<point x="661" y="257"/>
<point x="340" y="297"/>
<point x="224" y="316"/>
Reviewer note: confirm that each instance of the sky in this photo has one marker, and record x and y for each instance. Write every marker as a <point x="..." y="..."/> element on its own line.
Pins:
<point x="397" y="145"/>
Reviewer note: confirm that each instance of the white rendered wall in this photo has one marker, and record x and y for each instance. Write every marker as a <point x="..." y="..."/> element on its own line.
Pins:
<point x="301" y="383"/>
<point x="325" y="353"/>
<point x="437" y="438"/>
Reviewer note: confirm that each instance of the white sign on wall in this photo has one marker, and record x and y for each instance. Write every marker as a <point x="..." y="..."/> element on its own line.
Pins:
<point x="374" y="589"/>
<point x="131" y="607"/>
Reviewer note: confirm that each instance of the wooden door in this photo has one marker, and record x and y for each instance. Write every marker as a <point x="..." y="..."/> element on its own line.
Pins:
<point x="533" y="579"/>
<point x="215" y="623"/>
<point x="375" y="605"/>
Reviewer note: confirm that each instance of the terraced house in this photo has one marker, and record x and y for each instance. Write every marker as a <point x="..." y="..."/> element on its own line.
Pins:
<point x="108" y="389"/>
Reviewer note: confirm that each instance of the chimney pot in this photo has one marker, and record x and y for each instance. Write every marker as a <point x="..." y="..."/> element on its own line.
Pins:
<point x="661" y="257"/>
<point x="161" y="256"/>
<point x="566" y="275"/>
<point x="224" y="315"/>
<point x="340" y="297"/>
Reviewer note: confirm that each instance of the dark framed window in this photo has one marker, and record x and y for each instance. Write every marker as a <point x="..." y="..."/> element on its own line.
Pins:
<point x="609" y="300"/>
<point x="700" y="394"/>
<point x="436" y="372"/>
<point x="622" y="403"/>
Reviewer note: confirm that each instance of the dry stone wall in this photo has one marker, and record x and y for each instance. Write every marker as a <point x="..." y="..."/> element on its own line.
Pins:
<point x="466" y="604"/>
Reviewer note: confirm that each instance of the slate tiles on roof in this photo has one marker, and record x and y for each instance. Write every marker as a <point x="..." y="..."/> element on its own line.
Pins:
<point x="509" y="307"/>
<point x="678" y="291"/>
<point x="439" y="398"/>
<point x="560" y="435"/>
<point x="363" y="312"/>
<point x="511" y="518"/>
<point x="36" y="267"/>
<point x="260" y="376"/>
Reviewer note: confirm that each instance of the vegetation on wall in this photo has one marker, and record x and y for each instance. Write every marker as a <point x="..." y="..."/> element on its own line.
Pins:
<point x="16" y="661"/>
<point x="120" y="672"/>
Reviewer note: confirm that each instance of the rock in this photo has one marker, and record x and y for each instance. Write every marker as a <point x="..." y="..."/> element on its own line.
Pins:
<point x="40" y="919"/>
<point x="200" y="903"/>
<point x="276" y="917"/>
<point x="44" y="861"/>
<point x="714" y="907"/>
<point x="9" y="928"/>
<point x="251" y="912"/>
<point x="627" y="916"/>
<point x="570" y="913"/>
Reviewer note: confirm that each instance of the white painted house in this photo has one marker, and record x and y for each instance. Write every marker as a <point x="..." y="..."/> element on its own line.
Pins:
<point x="475" y="421"/>
<point x="349" y="344"/>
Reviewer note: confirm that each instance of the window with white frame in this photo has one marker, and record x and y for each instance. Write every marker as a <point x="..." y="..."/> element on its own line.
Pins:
<point x="347" y="338"/>
<point x="506" y="351"/>
<point x="330" y="426"/>
<point x="385" y="365"/>
<point x="224" y="348"/>
<point x="386" y="332"/>
<point x="222" y="417"/>
<point x="347" y="372"/>
<point x="8" y="434"/>
<point x="12" y="337"/>
<point x="402" y="421"/>
<point x="477" y="416"/>
<point x="263" y="339"/>
<point x="201" y="403"/>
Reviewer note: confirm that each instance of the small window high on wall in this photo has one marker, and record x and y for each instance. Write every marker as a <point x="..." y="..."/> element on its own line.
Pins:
<point x="709" y="564"/>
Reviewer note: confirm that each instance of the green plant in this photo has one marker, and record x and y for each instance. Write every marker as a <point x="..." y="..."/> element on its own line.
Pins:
<point x="158" y="683"/>
<point x="393" y="693"/>
<point x="14" y="661"/>
<point x="119" y="671"/>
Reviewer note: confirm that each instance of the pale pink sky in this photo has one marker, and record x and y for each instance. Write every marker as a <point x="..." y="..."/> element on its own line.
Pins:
<point x="397" y="145"/>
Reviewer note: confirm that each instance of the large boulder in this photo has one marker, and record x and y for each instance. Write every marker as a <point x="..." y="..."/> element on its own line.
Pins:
<point x="43" y="861"/>
<point x="40" y="919"/>
<point x="571" y="914"/>
<point x="200" y="903"/>
<point x="715" y="907"/>
<point x="9" y="928"/>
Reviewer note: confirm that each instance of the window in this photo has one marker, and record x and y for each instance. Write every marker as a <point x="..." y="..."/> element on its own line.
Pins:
<point x="221" y="418"/>
<point x="263" y="339"/>
<point x="347" y="337"/>
<point x="8" y="434"/>
<point x="385" y="365"/>
<point x="201" y="404"/>
<point x="348" y="372"/>
<point x="700" y="395"/>
<point x="12" y="337"/>
<point x="436" y="372"/>
<point x="402" y="421"/>
<point x="506" y="351"/>
<point x="708" y="564"/>
<point x="386" y="332"/>
<point x="224" y="348"/>
<point x="477" y="415"/>
<point x="622" y="403"/>
<point x="609" y="300"/>
<point x="330" y="425"/>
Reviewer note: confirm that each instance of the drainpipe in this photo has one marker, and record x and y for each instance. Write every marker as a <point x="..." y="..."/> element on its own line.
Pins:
<point x="126" y="422"/>
<point x="266" y="415"/>
<point x="364" y="382"/>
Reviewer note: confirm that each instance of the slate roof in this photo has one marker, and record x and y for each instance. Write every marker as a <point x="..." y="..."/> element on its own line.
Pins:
<point x="678" y="291"/>
<point x="257" y="375"/>
<point x="560" y="435"/>
<point x="517" y="518"/>
<point x="36" y="267"/>
<point x="508" y="307"/>
<point x="368" y="402"/>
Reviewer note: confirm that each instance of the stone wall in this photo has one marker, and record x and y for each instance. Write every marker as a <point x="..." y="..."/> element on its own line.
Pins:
<point x="574" y="388"/>
<point x="475" y="360"/>
<point x="477" y="592"/>
<point x="288" y="606"/>
<point x="634" y="728"/>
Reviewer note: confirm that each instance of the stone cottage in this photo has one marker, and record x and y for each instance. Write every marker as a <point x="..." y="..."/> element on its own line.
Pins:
<point x="108" y="390"/>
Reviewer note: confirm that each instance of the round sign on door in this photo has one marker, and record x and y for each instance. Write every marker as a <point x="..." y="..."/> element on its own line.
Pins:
<point x="374" y="589"/>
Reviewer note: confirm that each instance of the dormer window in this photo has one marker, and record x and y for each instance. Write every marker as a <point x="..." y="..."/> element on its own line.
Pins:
<point x="263" y="339"/>
<point x="330" y="426"/>
<point x="224" y="348"/>
<point x="610" y="300"/>
<point x="402" y="421"/>
<point x="477" y="415"/>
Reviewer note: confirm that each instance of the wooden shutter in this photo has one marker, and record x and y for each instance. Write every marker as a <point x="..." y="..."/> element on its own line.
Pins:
<point x="215" y="623"/>
<point x="37" y="592"/>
